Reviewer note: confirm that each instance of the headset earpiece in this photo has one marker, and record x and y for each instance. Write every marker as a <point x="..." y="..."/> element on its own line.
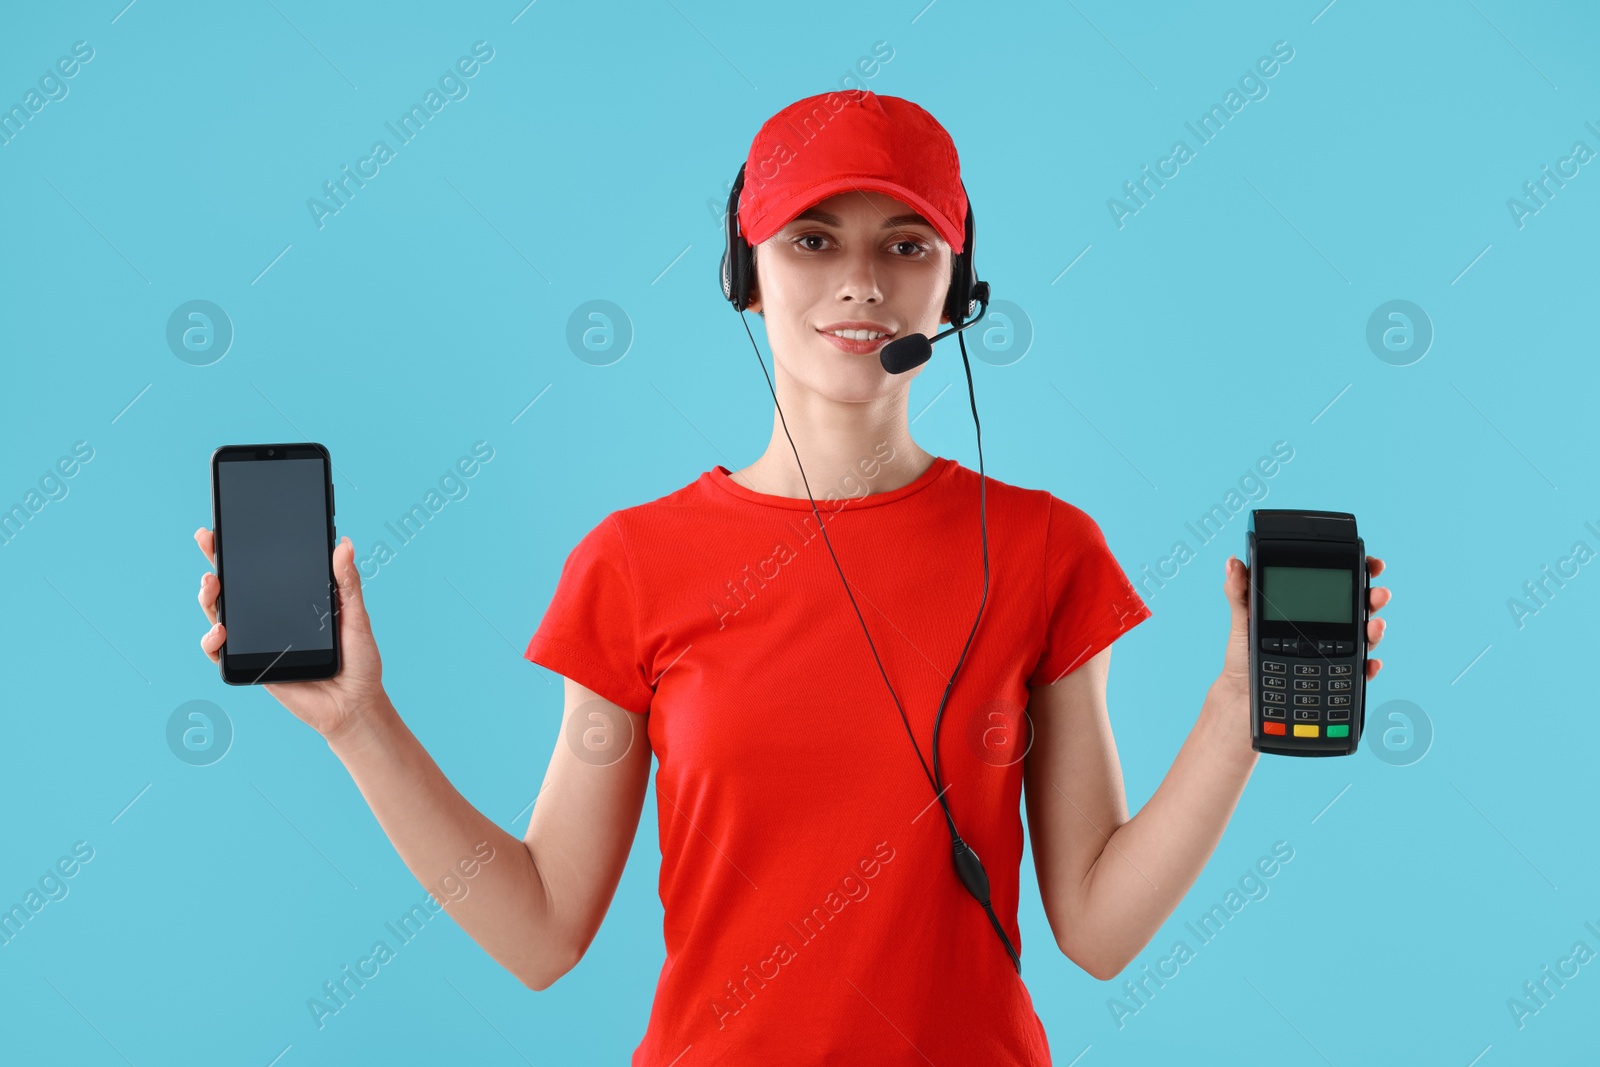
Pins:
<point x="737" y="255"/>
<point x="963" y="275"/>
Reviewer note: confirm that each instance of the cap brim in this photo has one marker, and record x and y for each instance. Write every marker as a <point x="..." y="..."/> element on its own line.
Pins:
<point x="785" y="209"/>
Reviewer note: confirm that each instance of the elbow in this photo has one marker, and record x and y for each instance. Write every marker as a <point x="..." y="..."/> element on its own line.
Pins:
<point x="546" y="972"/>
<point x="538" y="982"/>
<point x="1103" y="971"/>
<point x="1098" y="948"/>
<point x="1100" y="970"/>
<point x="538" y="985"/>
<point x="553" y="949"/>
<point x="1100" y="967"/>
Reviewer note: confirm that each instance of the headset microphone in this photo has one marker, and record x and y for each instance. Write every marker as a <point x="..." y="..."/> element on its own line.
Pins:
<point x="912" y="351"/>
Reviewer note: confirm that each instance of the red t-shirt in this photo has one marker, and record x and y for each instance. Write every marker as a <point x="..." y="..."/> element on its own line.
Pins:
<point x="812" y="910"/>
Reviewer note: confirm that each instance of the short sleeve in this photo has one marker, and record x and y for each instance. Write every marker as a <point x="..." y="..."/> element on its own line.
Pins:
<point x="589" y="632"/>
<point x="1089" y="601"/>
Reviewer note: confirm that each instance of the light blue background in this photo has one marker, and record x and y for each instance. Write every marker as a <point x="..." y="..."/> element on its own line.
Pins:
<point x="588" y="162"/>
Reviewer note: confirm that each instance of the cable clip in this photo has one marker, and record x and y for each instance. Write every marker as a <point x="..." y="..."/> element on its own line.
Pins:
<point x="970" y="868"/>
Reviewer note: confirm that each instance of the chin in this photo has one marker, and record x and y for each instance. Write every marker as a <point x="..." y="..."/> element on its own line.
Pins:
<point x="854" y="380"/>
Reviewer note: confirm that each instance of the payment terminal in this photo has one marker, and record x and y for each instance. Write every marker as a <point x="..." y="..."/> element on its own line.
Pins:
<point x="1308" y="632"/>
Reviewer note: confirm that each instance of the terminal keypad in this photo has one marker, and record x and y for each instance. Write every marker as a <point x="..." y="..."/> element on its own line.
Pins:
<point x="1318" y="674"/>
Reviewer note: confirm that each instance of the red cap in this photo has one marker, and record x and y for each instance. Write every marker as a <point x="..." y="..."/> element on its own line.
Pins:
<point x="852" y="139"/>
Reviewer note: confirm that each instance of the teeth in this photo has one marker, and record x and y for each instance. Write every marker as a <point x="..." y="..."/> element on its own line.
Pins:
<point x="858" y="335"/>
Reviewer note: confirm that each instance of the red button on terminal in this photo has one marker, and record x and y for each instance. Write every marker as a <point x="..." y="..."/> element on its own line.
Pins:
<point x="1273" y="728"/>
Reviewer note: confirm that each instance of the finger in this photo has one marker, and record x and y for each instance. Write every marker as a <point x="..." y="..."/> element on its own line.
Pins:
<point x="1378" y="597"/>
<point x="212" y="640"/>
<point x="1237" y="585"/>
<point x="1375" y="631"/>
<point x="1373" y="667"/>
<point x="209" y="588"/>
<point x="1238" y="575"/>
<point x="208" y="544"/>
<point x="1374" y="566"/>
<point x="349" y="582"/>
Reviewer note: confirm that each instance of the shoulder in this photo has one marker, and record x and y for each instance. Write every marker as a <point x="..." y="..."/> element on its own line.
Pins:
<point x="623" y="528"/>
<point x="1007" y="496"/>
<point x="685" y="498"/>
<point x="1069" y="520"/>
<point x="1046" y="513"/>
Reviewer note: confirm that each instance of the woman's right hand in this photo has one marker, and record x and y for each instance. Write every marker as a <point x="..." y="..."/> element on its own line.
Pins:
<point x="332" y="705"/>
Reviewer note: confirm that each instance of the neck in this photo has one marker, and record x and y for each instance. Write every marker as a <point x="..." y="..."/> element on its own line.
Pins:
<point x="848" y="449"/>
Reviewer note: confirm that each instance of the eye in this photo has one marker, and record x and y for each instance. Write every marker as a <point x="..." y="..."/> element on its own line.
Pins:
<point x="917" y="248"/>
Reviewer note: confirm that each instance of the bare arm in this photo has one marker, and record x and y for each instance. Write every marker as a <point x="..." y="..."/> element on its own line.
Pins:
<point x="1109" y="882"/>
<point x="535" y="904"/>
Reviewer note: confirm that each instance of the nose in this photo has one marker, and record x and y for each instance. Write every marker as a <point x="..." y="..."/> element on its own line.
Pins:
<point x="860" y="280"/>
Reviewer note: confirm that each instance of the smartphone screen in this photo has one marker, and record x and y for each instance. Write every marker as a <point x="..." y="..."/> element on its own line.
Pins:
<point x="273" y="514"/>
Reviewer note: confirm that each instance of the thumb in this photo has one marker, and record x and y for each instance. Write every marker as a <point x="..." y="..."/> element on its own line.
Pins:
<point x="1237" y="586"/>
<point x="349" y="579"/>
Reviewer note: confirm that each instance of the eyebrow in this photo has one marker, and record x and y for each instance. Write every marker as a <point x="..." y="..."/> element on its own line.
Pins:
<point x="888" y="224"/>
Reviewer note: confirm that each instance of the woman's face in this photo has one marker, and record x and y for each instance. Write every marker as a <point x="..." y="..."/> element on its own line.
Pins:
<point x="860" y="258"/>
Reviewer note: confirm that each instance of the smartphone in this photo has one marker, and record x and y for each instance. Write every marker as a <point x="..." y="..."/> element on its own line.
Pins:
<point x="272" y="519"/>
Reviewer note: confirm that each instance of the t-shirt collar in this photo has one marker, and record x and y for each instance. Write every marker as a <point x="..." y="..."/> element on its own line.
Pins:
<point x="721" y="478"/>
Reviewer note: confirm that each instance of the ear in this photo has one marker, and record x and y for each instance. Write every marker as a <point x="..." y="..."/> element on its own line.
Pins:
<point x="944" y="317"/>
<point x="754" y="303"/>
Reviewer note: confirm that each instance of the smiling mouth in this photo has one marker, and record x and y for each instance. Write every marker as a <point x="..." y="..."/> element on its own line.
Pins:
<point x="858" y="342"/>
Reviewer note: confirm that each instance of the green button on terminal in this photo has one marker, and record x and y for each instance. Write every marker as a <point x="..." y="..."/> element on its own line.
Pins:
<point x="1339" y="731"/>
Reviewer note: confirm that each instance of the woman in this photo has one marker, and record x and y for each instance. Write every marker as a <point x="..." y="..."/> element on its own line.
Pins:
<point x="811" y="911"/>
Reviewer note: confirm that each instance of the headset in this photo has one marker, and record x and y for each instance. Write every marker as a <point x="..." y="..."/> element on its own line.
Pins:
<point x="738" y="273"/>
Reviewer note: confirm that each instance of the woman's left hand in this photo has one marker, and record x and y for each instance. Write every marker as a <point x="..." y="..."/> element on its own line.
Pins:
<point x="1236" y="665"/>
